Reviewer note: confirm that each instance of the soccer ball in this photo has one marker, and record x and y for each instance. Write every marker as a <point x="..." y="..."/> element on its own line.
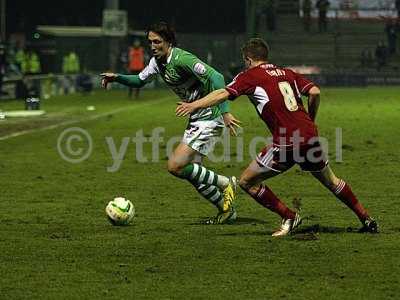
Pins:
<point x="120" y="211"/>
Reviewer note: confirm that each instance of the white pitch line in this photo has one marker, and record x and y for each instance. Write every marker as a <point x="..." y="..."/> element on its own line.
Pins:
<point x="66" y="123"/>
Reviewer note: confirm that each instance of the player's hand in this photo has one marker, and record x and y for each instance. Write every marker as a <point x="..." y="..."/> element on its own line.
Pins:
<point x="185" y="109"/>
<point x="232" y="123"/>
<point x="107" y="78"/>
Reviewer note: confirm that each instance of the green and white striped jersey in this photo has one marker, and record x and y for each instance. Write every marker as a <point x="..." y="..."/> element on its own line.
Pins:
<point x="188" y="77"/>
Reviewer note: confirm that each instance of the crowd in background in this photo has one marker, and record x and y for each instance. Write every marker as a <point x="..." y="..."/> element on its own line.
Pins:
<point x="384" y="51"/>
<point x="20" y="61"/>
<point x="26" y="61"/>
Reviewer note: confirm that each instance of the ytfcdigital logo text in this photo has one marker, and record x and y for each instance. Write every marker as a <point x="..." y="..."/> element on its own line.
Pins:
<point x="75" y="145"/>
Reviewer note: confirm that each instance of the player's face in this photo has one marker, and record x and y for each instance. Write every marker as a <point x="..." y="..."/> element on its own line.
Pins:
<point x="159" y="47"/>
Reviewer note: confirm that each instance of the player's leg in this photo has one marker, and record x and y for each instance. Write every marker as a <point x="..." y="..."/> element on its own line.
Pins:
<point x="185" y="163"/>
<point x="201" y="137"/>
<point x="180" y="165"/>
<point x="222" y="199"/>
<point x="251" y="182"/>
<point x="210" y="192"/>
<point x="343" y="192"/>
<point x="266" y="166"/>
<point x="183" y="156"/>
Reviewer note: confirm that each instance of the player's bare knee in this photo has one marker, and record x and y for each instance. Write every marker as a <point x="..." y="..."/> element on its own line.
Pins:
<point x="332" y="183"/>
<point x="314" y="91"/>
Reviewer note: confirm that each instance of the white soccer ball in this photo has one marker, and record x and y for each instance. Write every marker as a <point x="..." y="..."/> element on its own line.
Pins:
<point x="120" y="211"/>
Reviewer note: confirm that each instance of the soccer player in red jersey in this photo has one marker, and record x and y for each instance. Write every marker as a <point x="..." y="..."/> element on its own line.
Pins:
<point x="276" y="94"/>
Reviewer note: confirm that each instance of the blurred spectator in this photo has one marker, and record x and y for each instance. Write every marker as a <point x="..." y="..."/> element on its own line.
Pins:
<point x="391" y="34"/>
<point x="2" y="66"/>
<point x="307" y="14"/>
<point x="136" y="63"/>
<point x="322" y="6"/>
<point x="67" y="84"/>
<point x="84" y="83"/>
<point x="12" y="67"/>
<point x="398" y="8"/>
<point x="47" y="87"/>
<point x="366" y="58"/>
<point x="31" y="63"/>
<point x="71" y="64"/>
<point x="381" y="55"/>
<point x="20" y="58"/>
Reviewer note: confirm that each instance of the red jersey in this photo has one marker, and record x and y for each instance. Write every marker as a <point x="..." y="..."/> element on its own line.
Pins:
<point x="276" y="94"/>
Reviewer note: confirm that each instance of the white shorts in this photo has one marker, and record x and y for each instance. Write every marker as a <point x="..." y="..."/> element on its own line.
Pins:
<point x="201" y="136"/>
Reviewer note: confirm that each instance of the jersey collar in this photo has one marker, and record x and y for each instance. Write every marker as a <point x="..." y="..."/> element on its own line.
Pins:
<point x="267" y="65"/>
<point x="170" y="56"/>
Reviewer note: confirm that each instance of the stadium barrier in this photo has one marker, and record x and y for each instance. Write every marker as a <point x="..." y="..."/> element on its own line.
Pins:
<point x="43" y="86"/>
<point x="48" y="85"/>
<point x="355" y="79"/>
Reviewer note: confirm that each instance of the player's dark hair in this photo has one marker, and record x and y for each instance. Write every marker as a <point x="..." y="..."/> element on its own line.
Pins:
<point x="256" y="49"/>
<point x="163" y="29"/>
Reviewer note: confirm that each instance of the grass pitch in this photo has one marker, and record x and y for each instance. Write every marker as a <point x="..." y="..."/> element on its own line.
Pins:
<point x="55" y="241"/>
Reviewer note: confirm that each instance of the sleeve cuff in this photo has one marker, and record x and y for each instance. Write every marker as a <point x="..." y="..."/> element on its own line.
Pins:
<point x="307" y="87"/>
<point x="232" y="93"/>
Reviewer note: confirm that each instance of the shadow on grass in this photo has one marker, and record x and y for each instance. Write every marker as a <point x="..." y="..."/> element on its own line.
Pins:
<point x="316" y="228"/>
<point x="249" y="221"/>
<point x="253" y="233"/>
<point x="238" y="222"/>
<point x="311" y="232"/>
<point x="303" y="233"/>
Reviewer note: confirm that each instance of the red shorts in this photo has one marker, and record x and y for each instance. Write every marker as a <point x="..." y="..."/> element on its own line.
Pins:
<point x="310" y="157"/>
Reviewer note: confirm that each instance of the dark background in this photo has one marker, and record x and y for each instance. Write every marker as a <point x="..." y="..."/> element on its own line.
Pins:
<point x="210" y="16"/>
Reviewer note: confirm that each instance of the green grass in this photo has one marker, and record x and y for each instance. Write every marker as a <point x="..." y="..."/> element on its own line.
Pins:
<point x="55" y="241"/>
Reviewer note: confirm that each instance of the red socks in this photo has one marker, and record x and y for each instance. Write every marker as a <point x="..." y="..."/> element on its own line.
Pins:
<point x="268" y="199"/>
<point x="344" y="193"/>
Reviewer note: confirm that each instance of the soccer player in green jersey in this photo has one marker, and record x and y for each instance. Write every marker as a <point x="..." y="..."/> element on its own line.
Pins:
<point x="190" y="79"/>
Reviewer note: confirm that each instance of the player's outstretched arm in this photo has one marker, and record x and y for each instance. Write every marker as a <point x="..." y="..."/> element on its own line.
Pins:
<point x="128" y="80"/>
<point x="213" y="98"/>
<point x="230" y="121"/>
<point x="313" y="102"/>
